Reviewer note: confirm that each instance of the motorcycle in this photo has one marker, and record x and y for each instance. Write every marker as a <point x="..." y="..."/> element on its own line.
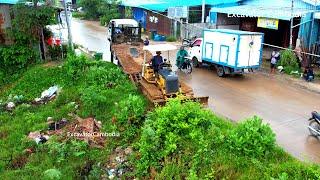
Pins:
<point x="186" y="66"/>
<point x="314" y="124"/>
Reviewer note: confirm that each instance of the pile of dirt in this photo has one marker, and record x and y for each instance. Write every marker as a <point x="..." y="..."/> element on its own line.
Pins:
<point x="87" y="130"/>
<point x="131" y="63"/>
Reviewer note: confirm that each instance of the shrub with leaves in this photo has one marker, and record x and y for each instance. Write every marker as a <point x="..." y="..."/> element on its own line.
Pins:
<point x="289" y="61"/>
<point x="53" y="174"/>
<point x="176" y="129"/>
<point x="75" y="66"/>
<point x="14" y="58"/>
<point x="171" y="39"/>
<point x="252" y="138"/>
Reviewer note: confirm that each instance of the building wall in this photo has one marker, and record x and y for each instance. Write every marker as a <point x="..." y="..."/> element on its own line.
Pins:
<point x="5" y="21"/>
<point x="159" y="23"/>
<point x="225" y="22"/>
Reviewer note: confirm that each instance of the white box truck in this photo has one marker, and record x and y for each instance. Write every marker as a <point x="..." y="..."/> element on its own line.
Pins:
<point x="230" y="51"/>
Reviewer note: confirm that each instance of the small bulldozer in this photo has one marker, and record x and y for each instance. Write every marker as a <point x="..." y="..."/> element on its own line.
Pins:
<point x="164" y="84"/>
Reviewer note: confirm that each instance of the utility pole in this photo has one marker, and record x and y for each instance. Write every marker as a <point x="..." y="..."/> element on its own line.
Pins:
<point x="203" y="10"/>
<point x="68" y="25"/>
<point x="291" y="25"/>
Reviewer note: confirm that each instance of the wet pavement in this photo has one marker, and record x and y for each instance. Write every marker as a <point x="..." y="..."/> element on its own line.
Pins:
<point x="284" y="106"/>
<point x="92" y="36"/>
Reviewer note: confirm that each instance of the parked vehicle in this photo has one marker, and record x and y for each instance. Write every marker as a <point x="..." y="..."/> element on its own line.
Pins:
<point x="314" y="124"/>
<point x="230" y="51"/>
<point x="122" y="30"/>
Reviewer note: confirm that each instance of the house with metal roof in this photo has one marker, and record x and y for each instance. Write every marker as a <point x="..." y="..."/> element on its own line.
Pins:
<point x="5" y="19"/>
<point x="163" y="5"/>
<point x="272" y="17"/>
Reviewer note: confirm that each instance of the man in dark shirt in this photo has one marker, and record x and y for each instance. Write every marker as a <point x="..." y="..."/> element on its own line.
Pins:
<point x="308" y="74"/>
<point x="157" y="61"/>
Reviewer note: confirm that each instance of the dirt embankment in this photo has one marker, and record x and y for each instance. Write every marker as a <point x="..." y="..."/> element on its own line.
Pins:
<point x="130" y="57"/>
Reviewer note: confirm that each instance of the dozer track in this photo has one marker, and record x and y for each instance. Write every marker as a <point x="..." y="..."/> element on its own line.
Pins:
<point x="154" y="94"/>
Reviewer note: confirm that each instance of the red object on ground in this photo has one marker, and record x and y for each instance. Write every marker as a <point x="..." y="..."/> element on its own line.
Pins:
<point x="50" y="41"/>
<point x="54" y="41"/>
<point x="58" y="42"/>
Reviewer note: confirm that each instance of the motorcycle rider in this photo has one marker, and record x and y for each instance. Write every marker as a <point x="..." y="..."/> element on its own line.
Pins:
<point x="182" y="53"/>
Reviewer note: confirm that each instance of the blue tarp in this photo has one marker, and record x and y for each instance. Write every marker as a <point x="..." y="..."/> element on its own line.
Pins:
<point x="162" y="5"/>
<point x="140" y="15"/>
<point x="305" y="31"/>
<point x="8" y="1"/>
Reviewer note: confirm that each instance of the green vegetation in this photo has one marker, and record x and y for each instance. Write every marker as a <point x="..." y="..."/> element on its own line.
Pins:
<point x="171" y="39"/>
<point x="178" y="141"/>
<point x="104" y="10"/>
<point x="128" y="13"/>
<point x="99" y="90"/>
<point x="182" y="140"/>
<point x="26" y="32"/>
<point x="289" y="61"/>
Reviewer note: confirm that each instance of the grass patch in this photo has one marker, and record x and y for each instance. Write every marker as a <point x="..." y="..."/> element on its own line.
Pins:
<point x="96" y="87"/>
<point x="171" y="39"/>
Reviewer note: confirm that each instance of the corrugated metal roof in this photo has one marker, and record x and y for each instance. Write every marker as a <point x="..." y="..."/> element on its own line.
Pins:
<point x="8" y="1"/>
<point x="312" y="2"/>
<point x="162" y="5"/>
<point x="259" y="11"/>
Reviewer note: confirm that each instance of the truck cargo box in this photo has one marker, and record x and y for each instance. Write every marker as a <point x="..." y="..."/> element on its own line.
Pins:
<point x="233" y="48"/>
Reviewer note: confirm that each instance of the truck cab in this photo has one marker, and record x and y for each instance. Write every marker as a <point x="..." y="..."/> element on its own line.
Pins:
<point x="195" y="51"/>
<point x="119" y="26"/>
<point x="230" y="51"/>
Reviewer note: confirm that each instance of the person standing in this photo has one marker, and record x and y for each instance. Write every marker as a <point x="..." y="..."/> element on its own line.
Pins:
<point x="275" y="57"/>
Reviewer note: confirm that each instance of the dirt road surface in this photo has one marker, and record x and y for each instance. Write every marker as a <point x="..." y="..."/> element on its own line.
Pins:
<point x="284" y="106"/>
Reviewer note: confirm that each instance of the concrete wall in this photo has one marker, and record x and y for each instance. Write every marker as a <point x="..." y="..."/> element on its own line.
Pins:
<point x="195" y="29"/>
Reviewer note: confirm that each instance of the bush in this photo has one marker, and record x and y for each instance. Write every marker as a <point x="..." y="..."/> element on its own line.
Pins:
<point x="75" y="66"/>
<point x="174" y="130"/>
<point x="289" y="61"/>
<point x="171" y="39"/>
<point x="55" y="52"/>
<point x="252" y="138"/>
<point x="79" y="15"/>
<point x="14" y="58"/>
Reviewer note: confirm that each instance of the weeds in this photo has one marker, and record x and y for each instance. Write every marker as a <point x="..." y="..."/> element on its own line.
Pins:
<point x="94" y="87"/>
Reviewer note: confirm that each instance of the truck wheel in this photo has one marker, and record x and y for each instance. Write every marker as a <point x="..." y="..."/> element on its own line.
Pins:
<point x="220" y="71"/>
<point x="195" y="62"/>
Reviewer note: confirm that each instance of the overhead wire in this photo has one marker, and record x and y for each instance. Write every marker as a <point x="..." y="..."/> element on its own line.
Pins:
<point x="203" y="28"/>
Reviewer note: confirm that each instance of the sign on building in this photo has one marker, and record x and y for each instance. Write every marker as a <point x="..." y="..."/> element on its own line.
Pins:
<point x="154" y="19"/>
<point x="268" y="23"/>
<point x="178" y="12"/>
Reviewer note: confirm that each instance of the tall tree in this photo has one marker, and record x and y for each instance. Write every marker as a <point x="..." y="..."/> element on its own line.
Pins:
<point x="104" y="10"/>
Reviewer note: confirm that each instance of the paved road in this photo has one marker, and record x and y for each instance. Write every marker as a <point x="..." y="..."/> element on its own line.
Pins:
<point x="285" y="107"/>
